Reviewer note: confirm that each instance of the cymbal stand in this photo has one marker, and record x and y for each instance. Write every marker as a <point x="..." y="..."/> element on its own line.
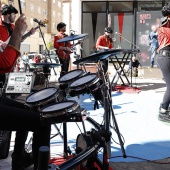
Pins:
<point x="39" y="23"/>
<point x="108" y="112"/>
<point x="76" y="56"/>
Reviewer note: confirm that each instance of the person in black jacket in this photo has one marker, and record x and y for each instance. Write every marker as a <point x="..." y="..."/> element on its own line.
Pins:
<point x="134" y="64"/>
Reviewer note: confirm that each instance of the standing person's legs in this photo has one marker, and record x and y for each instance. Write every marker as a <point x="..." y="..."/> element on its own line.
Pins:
<point x="65" y="66"/>
<point x="62" y="67"/>
<point x="164" y="65"/>
<point x="153" y="53"/>
<point x="26" y="67"/>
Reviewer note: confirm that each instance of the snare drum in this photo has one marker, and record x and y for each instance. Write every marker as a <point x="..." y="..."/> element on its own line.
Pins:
<point x="85" y="84"/>
<point x="59" y="112"/>
<point x="42" y="97"/>
<point x="69" y="77"/>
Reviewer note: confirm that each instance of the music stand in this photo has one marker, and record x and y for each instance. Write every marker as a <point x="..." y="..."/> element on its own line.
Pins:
<point x="134" y="48"/>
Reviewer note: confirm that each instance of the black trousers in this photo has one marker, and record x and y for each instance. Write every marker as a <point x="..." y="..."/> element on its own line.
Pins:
<point x="65" y="65"/>
<point x="164" y="65"/>
<point x="2" y="80"/>
<point x="15" y="117"/>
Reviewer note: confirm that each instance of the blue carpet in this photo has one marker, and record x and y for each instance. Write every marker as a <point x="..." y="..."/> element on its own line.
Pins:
<point x="145" y="137"/>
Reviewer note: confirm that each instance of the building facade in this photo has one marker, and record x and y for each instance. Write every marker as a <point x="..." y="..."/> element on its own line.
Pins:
<point x="131" y="21"/>
<point x="44" y="10"/>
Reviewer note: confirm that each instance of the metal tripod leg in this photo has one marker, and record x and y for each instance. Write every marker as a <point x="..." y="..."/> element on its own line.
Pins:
<point x="58" y="132"/>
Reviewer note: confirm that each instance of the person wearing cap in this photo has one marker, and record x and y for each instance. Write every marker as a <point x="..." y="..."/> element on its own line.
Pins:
<point x="62" y="49"/>
<point x="8" y="13"/>
<point x="105" y="42"/>
<point x="163" y="60"/>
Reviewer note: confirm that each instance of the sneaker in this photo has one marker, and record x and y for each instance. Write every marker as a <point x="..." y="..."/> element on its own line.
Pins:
<point x="20" y="162"/>
<point x="164" y="116"/>
<point x="163" y="111"/>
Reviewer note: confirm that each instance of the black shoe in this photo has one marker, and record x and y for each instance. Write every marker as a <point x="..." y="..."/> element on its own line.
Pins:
<point x="164" y="116"/>
<point x="22" y="161"/>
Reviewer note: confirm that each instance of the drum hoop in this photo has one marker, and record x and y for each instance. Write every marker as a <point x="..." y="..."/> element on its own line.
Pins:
<point x="48" y="115"/>
<point x="88" y="142"/>
<point x="64" y="81"/>
<point x="46" y="101"/>
<point x="88" y="84"/>
<point x="42" y="100"/>
<point x="67" y="109"/>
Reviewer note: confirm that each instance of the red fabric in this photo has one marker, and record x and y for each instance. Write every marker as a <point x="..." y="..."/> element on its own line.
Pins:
<point x="127" y="89"/>
<point x="37" y="59"/>
<point x="164" y="35"/>
<point x="104" y="41"/>
<point x="9" y="56"/>
<point x="60" y="160"/>
<point x="4" y="32"/>
<point x="7" y="59"/>
<point x="61" y="53"/>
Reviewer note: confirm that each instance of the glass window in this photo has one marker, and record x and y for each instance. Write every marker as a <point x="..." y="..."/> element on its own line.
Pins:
<point x="149" y="6"/>
<point x="32" y="7"/>
<point x="31" y="21"/>
<point x="39" y="10"/>
<point x="41" y="48"/>
<point x="94" y="30"/>
<point x="59" y="4"/>
<point x="94" y="6"/>
<point x="44" y="12"/>
<point x="59" y="16"/>
<point x="54" y="13"/>
<point x="54" y="25"/>
<point x="120" y="6"/>
<point x="23" y="4"/>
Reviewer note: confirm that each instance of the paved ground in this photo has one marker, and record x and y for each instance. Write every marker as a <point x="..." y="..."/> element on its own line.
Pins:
<point x="149" y="85"/>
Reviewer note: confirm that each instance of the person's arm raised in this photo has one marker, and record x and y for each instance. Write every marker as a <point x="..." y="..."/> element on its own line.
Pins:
<point x="20" y="28"/>
<point x="9" y="56"/>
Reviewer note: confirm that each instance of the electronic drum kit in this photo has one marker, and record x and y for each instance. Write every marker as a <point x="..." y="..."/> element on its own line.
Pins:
<point x="54" y="110"/>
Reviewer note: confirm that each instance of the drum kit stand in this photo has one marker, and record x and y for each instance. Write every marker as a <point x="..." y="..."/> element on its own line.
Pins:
<point x="75" y="83"/>
<point x="100" y="136"/>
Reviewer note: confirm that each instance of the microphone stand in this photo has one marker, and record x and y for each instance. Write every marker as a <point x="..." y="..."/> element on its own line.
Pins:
<point x="48" y="54"/>
<point x="131" y="46"/>
<point x="74" y="49"/>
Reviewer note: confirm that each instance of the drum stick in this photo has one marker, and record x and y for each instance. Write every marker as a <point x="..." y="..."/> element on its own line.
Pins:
<point x="20" y="9"/>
